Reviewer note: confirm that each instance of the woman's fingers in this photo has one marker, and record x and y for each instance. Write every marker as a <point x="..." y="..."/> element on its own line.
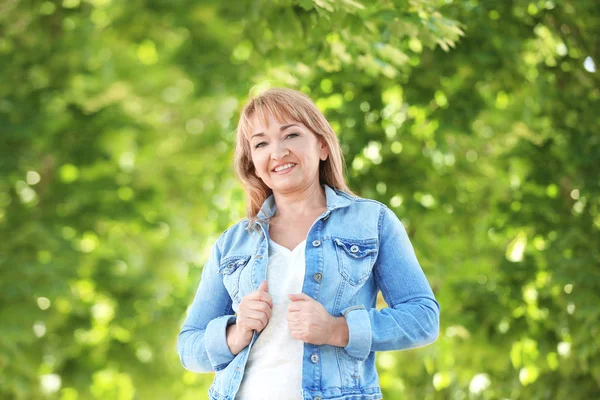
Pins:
<point x="260" y="306"/>
<point x="255" y="310"/>
<point x="259" y="295"/>
<point x="264" y="286"/>
<point x="249" y="324"/>
<point x="256" y="319"/>
<point x="255" y="305"/>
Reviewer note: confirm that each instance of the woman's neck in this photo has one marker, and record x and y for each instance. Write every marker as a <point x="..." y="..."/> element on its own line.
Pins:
<point x="297" y="205"/>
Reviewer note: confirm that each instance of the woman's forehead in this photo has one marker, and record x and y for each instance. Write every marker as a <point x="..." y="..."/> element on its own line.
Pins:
<point x="260" y="123"/>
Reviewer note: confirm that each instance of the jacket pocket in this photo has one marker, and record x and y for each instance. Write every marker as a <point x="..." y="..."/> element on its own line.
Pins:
<point x="356" y="258"/>
<point x="350" y="369"/>
<point x="231" y="268"/>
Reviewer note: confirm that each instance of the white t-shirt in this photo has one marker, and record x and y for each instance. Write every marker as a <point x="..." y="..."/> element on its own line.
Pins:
<point x="274" y="366"/>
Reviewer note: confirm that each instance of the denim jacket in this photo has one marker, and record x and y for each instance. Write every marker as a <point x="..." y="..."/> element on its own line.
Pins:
<point x="356" y="248"/>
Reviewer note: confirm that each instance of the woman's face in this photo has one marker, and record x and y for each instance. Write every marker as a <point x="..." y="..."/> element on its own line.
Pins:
<point x="286" y="155"/>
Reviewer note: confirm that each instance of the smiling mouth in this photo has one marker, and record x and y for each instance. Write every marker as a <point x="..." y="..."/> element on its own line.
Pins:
<point x="284" y="168"/>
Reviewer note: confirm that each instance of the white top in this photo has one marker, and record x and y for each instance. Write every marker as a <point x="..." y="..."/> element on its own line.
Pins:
<point x="274" y="367"/>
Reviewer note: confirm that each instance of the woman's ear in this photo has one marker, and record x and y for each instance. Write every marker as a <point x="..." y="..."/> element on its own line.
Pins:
<point x="323" y="150"/>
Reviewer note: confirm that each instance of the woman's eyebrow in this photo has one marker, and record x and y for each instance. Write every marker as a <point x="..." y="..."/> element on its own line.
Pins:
<point x="284" y="127"/>
<point x="281" y="129"/>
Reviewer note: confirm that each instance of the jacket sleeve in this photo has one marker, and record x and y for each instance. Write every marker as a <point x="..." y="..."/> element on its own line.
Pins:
<point x="202" y="342"/>
<point x="412" y="316"/>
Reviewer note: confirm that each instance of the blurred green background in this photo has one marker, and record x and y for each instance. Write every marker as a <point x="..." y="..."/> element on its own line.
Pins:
<point x="477" y="122"/>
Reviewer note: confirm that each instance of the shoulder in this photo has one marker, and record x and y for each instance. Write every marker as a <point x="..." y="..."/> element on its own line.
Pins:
<point x="370" y="209"/>
<point x="361" y="215"/>
<point x="238" y="235"/>
<point x="363" y="203"/>
<point x="370" y="203"/>
<point x="236" y="229"/>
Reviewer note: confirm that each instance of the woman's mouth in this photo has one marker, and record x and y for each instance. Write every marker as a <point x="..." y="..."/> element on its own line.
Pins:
<point x="284" y="169"/>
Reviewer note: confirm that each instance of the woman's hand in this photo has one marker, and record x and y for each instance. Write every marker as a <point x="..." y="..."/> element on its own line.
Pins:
<point x="254" y="313"/>
<point x="310" y="322"/>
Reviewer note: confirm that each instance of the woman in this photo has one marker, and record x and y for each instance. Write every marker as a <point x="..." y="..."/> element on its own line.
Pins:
<point x="302" y="271"/>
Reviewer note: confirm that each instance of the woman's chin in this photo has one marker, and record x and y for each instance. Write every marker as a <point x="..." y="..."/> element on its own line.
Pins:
<point x="285" y="187"/>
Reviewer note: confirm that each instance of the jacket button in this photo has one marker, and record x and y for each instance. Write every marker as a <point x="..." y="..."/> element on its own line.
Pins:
<point x="317" y="398"/>
<point x="318" y="276"/>
<point x="316" y="243"/>
<point x="354" y="248"/>
<point x="314" y="358"/>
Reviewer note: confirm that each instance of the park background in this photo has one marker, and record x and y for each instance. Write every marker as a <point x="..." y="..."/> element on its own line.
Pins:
<point x="477" y="122"/>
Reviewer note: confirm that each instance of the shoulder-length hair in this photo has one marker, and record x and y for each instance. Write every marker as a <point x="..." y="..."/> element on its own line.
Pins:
<point x="284" y="105"/>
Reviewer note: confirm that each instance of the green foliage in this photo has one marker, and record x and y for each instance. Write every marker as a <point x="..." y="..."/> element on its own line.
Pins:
<point x="476" y="121"/>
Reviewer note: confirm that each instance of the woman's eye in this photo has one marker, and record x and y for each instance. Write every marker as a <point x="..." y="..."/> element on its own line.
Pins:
<point x="262" y="144"/>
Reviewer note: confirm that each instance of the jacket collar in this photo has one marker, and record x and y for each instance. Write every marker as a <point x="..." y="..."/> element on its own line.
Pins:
<point x="335" y="199"/>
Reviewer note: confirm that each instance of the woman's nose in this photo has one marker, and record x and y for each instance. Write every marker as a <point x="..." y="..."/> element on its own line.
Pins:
<point x="279" y="151"/>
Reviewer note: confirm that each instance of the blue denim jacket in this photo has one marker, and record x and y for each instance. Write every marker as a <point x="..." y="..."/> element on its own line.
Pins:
<point x="354" y="249"/>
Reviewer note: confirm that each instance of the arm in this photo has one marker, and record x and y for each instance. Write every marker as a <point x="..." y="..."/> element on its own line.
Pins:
<point x="202" y="342"/>
<point x="412" y="316"/>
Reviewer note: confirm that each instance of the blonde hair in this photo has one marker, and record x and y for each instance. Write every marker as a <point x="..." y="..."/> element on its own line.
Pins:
<point x="284" y="104"/>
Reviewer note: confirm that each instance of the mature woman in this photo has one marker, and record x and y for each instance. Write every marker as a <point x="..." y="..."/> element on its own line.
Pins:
<point x="285" y="308"/>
